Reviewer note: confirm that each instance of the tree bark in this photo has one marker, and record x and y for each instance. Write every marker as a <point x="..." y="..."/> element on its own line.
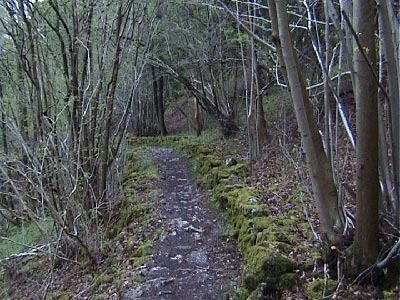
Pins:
<point x="388" y="34"/>
<point x="161" y="109"/>
<point x="324" y="189"/>
<point x="366" y="246"/>
<point x="158" y="98"/>
<point x="198" y="117"/>
<point x="111" y="88"/>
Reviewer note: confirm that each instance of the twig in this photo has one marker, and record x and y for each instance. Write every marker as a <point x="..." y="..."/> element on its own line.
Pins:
<point x="381" y="264"/>
<point x="34" y="252"/>
<point x="384" y="262"/>
<point x="245" y="28"/>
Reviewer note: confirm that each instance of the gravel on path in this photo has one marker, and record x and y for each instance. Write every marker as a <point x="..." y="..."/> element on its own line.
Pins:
<point x="195" y="258"/>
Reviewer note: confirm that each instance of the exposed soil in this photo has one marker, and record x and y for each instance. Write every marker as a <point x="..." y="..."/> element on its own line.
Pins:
<point x="195" y="259"/>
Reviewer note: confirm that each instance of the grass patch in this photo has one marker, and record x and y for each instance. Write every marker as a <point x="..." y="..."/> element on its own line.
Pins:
<point x="210" y="136"/>
<point x="20" y="238"/>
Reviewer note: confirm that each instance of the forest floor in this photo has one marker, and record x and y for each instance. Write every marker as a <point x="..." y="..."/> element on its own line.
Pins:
<point x="171" y="243"/>
<point x="184" y="252"/>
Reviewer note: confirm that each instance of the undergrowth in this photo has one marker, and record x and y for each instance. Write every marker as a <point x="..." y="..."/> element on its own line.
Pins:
<point x="125" y="242"/>
<point x="19" y="238"/>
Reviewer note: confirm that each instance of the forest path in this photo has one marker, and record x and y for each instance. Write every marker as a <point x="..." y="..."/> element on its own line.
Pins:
<point x="194" y="259"/>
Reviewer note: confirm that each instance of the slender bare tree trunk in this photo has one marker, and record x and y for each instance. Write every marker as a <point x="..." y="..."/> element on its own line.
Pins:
<point x="111" y="88"/>
<point x="258" y="130"/>
<point x="324" y="189"/>
<point x="198" y="117"/>
<point x="388" y="35"/>
<point x="158" y="99"/>
<point x="3" y="121"/>
<point x="347" y="8"/>
<point x="35" y="77"/>
<point x="366" y="246"/>
<point x="261" y="124"/>
<point x="327" y="91"/>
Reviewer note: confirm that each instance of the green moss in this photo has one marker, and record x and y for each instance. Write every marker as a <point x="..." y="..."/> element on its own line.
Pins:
<point x="287" y="280"/>
<point x="281" y="247"/>
<point x="138" y="166"/>
<point x="144" y="250"/>
<point x="266" y="265"/>
<point x="319" y="288"/>
<point x="104" y="278"/>
<point x="139" y="170"/>
<point x="254" y="295"/>
<point x="389" y="295"/>
<point x="138" y="261"/>
<point x="263" y="240"/>
<point x="242" y="201"/>
<point x="28" y="233"/>
<point x="261" y="223"/>
<point x="245" y="241"/>
<point x="211" y="161"/>
<point x="131" y="210"/>
<point x="198" y="149"/>
<point x="279" y="235"/>
<point x="63" y="296"/>
<point x="142" y="254"/>
<point x="103" y="296"/>
<point x="273" y="229"/>
<point x="4" y="283"/>
<point x="100" y="279"/>
<point x="239" y="169"/>
<point x="138" y="278"/>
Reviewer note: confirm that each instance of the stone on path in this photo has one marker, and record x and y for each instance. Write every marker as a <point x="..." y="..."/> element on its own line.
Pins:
<point x="192" y="260"/>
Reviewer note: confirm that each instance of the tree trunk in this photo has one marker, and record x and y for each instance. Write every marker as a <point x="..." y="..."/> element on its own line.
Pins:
<point x="111" y="88"/>
<point x="324" y="189"/>
<point x="161" y="109"/>
<point x="198" y="117"/>
<point x="388" y="34"/>
<point x="347" y="8"/>
<point x="158" y="98"/>
<point x="3" y="122"/>
<point x="366" y="246"/>
<point x="327" y="92"/>
<point x="261" y="123"/>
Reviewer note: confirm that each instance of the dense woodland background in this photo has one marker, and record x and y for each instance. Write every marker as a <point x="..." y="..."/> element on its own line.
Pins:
<point x="77" y="78"/>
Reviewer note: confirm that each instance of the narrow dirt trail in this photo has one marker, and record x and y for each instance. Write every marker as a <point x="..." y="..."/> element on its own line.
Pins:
<point x="194" y="259"/>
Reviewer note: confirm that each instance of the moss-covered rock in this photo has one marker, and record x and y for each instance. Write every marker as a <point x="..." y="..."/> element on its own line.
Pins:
<point x="131" y="209"/>
<point x="260" y="224"/>
<point x="319" y="288"/>
<point x="267" y="266"/>
<point x="141" y="254"/>
<point x="242" y="201"/>
<point x="138" y="171"/>
<point x="287" y="281"/>
<point x="246" y="240"/>
<point x="239" y="169"/>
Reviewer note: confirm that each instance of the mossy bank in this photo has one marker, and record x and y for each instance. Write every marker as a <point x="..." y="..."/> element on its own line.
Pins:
<point x="263" y="240"/>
